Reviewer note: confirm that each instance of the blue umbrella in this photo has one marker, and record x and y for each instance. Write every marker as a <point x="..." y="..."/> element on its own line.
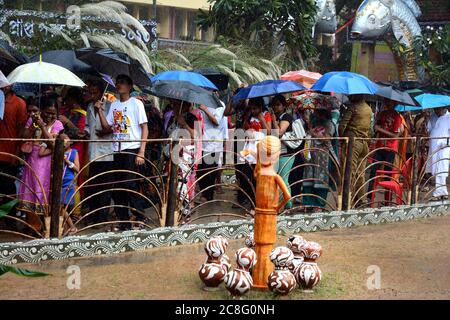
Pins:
<point x="345" y="82"/>
<point x="268" y="88"/>
<point x="192" y="77"/>
<point x="427" y="101"/>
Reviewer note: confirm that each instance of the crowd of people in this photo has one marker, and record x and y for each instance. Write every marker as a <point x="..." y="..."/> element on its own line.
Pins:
<point x="111" y="140"/>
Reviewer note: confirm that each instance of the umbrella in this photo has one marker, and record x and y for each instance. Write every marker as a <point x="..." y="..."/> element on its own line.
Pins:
<point x="185" y="91"/>
<point x="345" y="82"/>
<point x="427" y="101"/>
<point x="192" y="77"/>
<point x="314" y="100"/>
<point x="113" y="63"/>
<point x="10" y="58"/>
<point x="219" y="79"/>
<point x="268" y="88"/>
<point x="44" y="73"/>
<point x="66" y="59"/>
<point x="304" y="77"/>
<point x="3" y="81"/>
<point x="391" y="93"/>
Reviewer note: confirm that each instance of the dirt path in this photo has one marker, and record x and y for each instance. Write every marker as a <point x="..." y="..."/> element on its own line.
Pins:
<point x="414" y="259"/>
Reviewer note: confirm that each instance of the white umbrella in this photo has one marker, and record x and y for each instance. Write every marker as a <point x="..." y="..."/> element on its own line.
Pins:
<point x="3" y="81"/>
<point x="44" y="73"/>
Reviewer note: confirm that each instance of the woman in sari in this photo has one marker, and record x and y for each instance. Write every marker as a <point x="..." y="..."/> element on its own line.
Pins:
<point x="317" y="174"/>
<point x="34" y="191"/>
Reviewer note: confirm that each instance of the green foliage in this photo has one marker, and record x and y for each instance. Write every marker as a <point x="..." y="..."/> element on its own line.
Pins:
<point x="270" y="26"/>
<point x="239" y="62"/>
<point x="7" y="207"/>
<point x="21" y="272"/>
<point x="433" y="50"/>
<point x="342" y="63"/>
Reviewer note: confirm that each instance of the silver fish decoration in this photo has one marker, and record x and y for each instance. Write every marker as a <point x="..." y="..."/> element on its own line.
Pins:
<point x="376" y="17"/>
<point x="326" y="21"/>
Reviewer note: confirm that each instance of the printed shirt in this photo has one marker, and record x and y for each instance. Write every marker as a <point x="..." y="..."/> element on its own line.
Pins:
<point x="126" y="119"/>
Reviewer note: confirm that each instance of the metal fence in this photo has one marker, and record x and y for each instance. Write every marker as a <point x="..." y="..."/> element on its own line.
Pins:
<point x="175" y="180"/>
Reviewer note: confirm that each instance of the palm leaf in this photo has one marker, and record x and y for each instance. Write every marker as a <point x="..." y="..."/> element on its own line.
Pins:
<point x="22" y="272"/>
<point x="7" y="207"/>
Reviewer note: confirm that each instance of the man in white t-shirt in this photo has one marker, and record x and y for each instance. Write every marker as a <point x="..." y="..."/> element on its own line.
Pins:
<point x="127" y="121"/>
<point x="211" y="151"/>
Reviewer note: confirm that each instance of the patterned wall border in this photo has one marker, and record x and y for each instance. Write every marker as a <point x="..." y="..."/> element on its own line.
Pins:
<point x="36" y="251"/>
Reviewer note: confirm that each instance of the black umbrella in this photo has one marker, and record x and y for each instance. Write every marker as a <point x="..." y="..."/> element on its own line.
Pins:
<point x="66" y="59"/>
<point x="184" y="91"/>
<point x="10" y="58"/>
<point x="391" y="93"/>
<point x="219" y="79"/>
<point x="113" y="63"/>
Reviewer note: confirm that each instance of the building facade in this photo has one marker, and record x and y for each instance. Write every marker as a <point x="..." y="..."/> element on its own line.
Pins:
<point x="175" y="18"/>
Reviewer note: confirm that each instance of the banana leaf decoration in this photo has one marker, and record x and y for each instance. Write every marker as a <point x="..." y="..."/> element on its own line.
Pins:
<point x="21" y="272"/>
<point x="4" y="210"/>
<point x="7" y="207"/>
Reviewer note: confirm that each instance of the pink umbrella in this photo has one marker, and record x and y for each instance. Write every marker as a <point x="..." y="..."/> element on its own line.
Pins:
<point x="306" y="78"/>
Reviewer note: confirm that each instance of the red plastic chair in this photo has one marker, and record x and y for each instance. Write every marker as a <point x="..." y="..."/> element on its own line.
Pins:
<point x="393" y="185"/>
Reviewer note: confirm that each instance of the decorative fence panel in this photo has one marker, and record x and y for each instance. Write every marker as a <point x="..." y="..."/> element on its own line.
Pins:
<point x="179" y="185"/>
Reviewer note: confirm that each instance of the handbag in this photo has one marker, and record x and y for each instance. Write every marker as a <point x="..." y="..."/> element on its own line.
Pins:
<point x="293" y="139"/>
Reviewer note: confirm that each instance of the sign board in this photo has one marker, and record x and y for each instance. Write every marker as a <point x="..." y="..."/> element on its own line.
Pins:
<point x="22" y="26"/>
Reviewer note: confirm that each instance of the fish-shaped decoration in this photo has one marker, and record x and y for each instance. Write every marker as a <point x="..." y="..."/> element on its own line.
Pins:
<point x="376" y="17"/>
<point x="326" y="17"/>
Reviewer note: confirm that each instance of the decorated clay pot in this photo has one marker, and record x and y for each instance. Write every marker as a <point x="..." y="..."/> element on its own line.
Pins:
<point x="308" y="274"/>
<point x="296" y="243"/>
<point x="213" y="270"/>
<point x="225" y="260"/>
<point x="239" y="281"/>
<point x="226" y="263"/>
<point x="281" y="280"/>
<point x="250" y="241"/>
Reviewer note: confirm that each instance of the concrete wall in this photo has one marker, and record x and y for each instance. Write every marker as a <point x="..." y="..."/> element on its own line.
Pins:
<point x="376" y="61"/>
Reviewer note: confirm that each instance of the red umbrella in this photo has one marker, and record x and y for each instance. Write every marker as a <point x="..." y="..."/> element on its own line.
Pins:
<point x="306" y="78"/>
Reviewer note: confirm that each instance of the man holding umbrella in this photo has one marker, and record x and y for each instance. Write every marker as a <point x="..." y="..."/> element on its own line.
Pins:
<point x="355" y="122"/>
<point x="127" y="121"/>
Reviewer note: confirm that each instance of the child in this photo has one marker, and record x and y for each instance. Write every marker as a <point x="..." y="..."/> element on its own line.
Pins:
<point x="71" y="167"/>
